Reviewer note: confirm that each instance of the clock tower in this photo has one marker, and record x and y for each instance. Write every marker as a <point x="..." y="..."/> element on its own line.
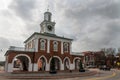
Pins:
<point x="47" y="26"/>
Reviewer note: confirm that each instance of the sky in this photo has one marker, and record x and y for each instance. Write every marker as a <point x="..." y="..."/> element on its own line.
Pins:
<point x="93" y="24"/>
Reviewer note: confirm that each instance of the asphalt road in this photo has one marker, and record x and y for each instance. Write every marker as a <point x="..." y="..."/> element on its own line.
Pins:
<point x="101" y="75"/>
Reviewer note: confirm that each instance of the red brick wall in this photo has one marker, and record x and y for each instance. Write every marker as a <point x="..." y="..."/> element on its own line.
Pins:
<point x="12" y="54"/>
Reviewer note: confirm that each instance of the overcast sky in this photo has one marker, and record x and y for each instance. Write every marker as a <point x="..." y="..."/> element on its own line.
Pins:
<point x="93" y="24"/>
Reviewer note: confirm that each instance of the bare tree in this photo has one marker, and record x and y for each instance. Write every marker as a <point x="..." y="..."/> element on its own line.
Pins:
<point x="118" y="50"/>
<point x="110" y="56"/>
<point x="109" y="51"/>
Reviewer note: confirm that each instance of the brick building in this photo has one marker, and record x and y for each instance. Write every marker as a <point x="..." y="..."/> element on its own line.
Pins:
<point x="39" y="49"/>
<point x="94" y="58"/>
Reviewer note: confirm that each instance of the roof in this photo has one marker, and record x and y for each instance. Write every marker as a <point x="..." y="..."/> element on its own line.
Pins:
<point x="77" y="53"/>
<point x="47" y="34"/>
<point x="11" y="51"/>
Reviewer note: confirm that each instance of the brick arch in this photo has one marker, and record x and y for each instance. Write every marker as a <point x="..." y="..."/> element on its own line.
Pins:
<point x="43" y="57"/>
<point x="56" y="57"/>
<point x="30" y="61"/>
<point x="67" y="58"/>
<point x="76" y="58"/>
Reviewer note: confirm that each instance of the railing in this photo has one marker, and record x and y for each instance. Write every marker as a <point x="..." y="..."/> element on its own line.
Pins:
<point x="21" y="49"/>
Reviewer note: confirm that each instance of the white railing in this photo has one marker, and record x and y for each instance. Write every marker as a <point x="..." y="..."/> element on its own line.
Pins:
<point x="21" y="49"/>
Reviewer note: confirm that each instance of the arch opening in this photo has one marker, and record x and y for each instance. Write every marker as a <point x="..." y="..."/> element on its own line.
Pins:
<point x="66" y="64"/>
<point x="21" y="63"/>
<point x="77" y="64"/>
<point x="41" y="64"/>
<point x="57" y="63"/>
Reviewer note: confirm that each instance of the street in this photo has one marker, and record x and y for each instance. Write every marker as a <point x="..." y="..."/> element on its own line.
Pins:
<point x="101" y="75"/>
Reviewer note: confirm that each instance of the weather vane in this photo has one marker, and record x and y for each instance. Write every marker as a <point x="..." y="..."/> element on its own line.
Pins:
<point x="48" y="8"/>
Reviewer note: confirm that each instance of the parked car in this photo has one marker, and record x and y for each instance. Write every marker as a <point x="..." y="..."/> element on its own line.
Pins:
<point x="104" y="67"/>
<point x="91" y="66"/>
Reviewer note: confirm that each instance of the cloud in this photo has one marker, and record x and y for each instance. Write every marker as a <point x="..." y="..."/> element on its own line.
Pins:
<point x="4" y="42"/>
<point x="93" y="24"/>
<point x="23" y="8"/>
<point x="4" y="45"/>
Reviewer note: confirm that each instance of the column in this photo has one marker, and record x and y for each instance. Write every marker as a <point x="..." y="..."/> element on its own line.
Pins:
<point x="62" y="66"/>
<point x="35" y="67"/>
<point x="61" y="47"/>
<point x="47" y="67"/>
<point x="36" y="44"/>
<point x="30" y="67"/>
<point x="10" y="67"/>
<point x="6" y="64"/>
<point x="72" y="66"/>
<point x="70" y="47"/>
<point x="48" y="46"/>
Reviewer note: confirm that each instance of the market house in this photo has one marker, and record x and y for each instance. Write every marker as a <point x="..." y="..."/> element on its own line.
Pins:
<point x="39" y="49"/>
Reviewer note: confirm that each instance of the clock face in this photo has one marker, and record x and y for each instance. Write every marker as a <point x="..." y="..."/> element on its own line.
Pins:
<point x="49" y="27"/>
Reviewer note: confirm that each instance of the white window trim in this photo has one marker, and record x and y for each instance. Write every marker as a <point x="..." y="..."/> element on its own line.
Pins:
<point x="65" y="45"/>
<point x="55" y="49"/>
<point x="44" y="44"/>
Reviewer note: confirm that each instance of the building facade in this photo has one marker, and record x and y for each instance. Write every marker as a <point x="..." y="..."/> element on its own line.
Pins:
<point x="94" y="58"/>
<point x="40" y="48"/>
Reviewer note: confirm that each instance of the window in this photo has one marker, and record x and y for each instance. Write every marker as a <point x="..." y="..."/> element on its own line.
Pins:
<point x="55" y="46"/>
<point x="33" y="42"/>
<point x="42" y="44"/>
<point x="65" y="47"/>
<point x="29" y="45"/>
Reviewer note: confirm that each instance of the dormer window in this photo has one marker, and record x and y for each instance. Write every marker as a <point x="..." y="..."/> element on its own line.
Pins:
<point x="65" y="47"/>
<point x="55" y="46"/>
<point x="42" y="44"/>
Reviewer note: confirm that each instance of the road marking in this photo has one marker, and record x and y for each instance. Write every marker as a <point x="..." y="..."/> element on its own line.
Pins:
<point x="105" y="77"/>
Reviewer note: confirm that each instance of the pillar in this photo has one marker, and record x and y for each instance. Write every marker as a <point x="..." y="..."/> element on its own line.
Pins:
<point x="61" y="47"/>
<point x="48" y="46"/>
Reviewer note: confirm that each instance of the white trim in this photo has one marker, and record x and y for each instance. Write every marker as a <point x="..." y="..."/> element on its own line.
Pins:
<point x="51" y="38"/>
<point x="42" y="43"/>
<point x="48" y="46"/>
<point x="43" y="40"/>
<point x="22" y="55"/>
<point x="70" y="47"/>
<point x="55" y="45"/>
<point x="68" y="60"/>
<point x="65" y="46"/>
<point x="62" y="66"/>
<point x="61" y="47"/>
<point x="35" y="67"/>
<point x="36" y="44"/>
<point x="47" y="67"/>
<point x="10" y="67"/>
<point x="76" y="58"/>
<point x="72" y="66"/>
